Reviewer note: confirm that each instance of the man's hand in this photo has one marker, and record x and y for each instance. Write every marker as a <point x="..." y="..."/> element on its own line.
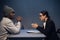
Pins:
<point x="34" y="25"/>
<point x="19" y="18"/>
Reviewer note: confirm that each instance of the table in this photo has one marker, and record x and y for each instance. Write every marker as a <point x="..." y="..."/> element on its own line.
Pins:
<point x="23" y="35"/>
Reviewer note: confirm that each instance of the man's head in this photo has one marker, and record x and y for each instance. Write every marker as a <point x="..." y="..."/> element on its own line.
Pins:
<point x="9" y="12"/>
<point x="43" y="15"/>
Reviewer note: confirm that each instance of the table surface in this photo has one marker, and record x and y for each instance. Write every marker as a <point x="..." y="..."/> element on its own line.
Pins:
<point x="23" y="33"/>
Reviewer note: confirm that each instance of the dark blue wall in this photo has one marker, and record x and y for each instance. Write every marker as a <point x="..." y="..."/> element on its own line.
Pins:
<point x="29" y="10"/>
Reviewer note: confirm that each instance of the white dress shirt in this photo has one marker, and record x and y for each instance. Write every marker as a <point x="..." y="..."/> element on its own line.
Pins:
<point x="44" y="25"/>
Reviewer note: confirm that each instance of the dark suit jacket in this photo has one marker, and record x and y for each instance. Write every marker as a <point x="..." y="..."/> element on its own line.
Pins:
<point x="49" y="31"/>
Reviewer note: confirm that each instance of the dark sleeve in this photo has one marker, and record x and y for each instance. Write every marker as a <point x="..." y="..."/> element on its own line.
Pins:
<point x="48" y="29"/>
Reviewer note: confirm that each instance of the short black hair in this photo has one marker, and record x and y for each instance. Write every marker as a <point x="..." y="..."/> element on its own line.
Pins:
<point x="44" y="12"/>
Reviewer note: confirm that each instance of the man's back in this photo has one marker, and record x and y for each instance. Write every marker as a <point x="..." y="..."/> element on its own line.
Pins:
<point x="3" y="33"/>
<point x="50" y="27"/>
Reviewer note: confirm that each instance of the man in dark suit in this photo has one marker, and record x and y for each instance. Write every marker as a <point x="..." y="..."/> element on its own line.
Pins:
<point x="48" y="26"/>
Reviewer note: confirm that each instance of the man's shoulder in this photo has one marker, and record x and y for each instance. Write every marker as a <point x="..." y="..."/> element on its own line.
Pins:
<point x="6" y="20"/>
<point x="50" y="21"/>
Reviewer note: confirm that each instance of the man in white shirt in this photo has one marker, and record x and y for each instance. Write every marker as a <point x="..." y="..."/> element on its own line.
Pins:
<point x="48" y="28"/>
<point x="7" y="22"/>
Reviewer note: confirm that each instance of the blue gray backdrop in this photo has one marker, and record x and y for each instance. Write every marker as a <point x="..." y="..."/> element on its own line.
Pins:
<point x="29" y="10"/>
